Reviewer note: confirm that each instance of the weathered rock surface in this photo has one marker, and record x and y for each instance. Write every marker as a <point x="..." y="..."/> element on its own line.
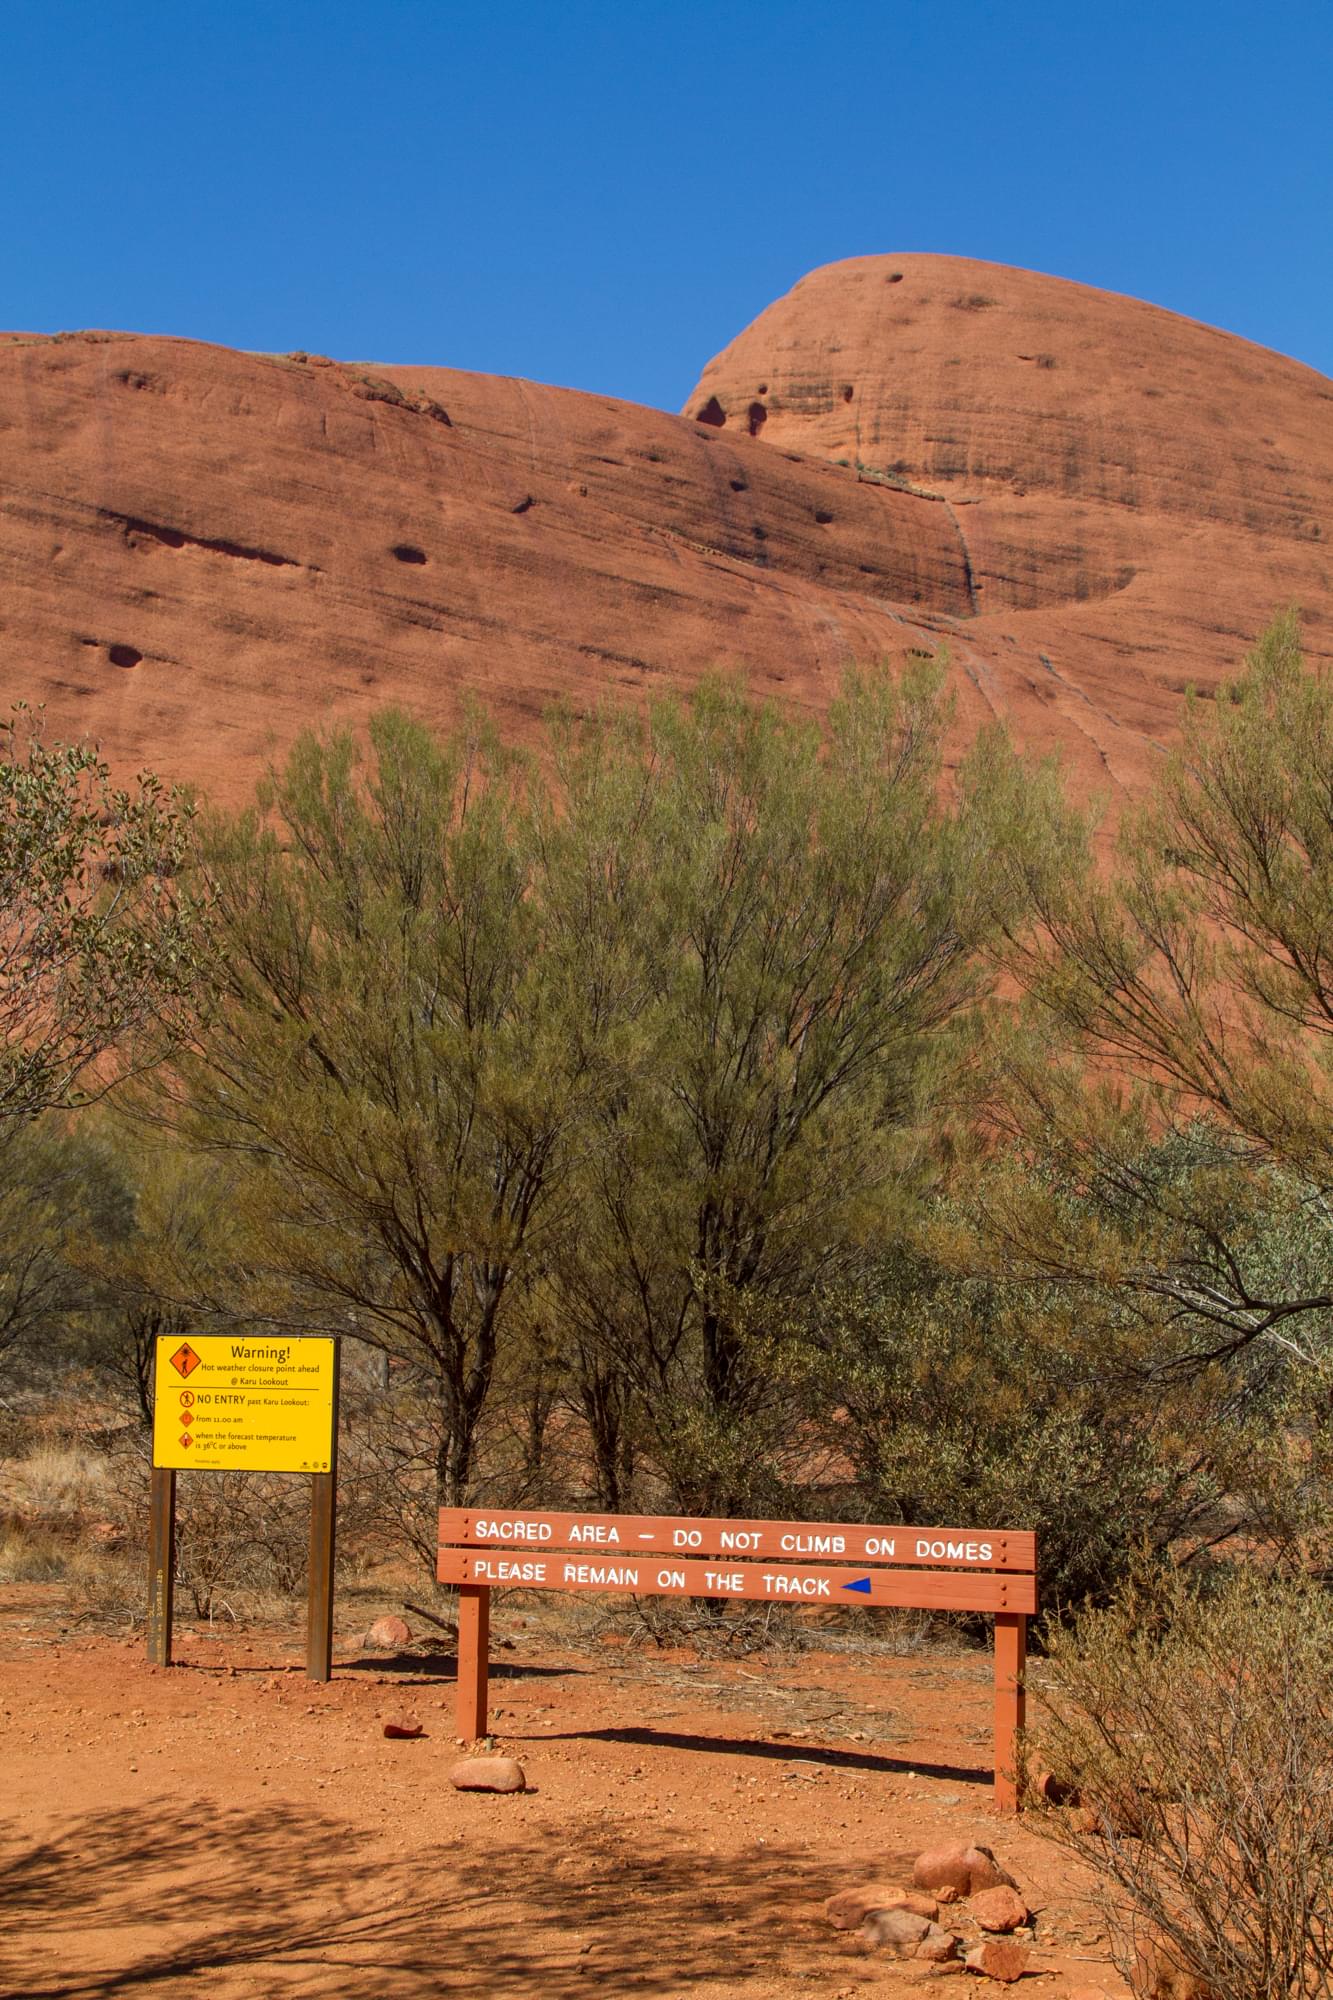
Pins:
<point x="202" y="552"/>
<point x="1092" y="501"/>
<point x="386" y="1635"/>
<point x="848" y="1908"/>
<point x="488" y="1774"/>
<point x="937" y="1945"/>
<point x="1136" y="492"/>
<point x="900" y="1931"/>
<point x="402" y="1727"/>
<point x="999" y="1909"/>
<point x="998" y="1958"/>
<point x="1157" y="1975"/>
<point x="962" y="1870"/>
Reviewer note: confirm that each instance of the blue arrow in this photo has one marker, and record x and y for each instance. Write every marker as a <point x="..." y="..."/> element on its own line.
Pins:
<point x="862" y="1583"/>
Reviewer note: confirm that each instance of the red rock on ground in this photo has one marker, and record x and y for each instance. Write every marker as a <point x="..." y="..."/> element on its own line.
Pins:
<point x="1158" y="1976"/>
<point x="1053" y="1790"/>
<point x="998" y="1958"/>
<point x="488" y="1774"/>
<point x="386" y="1635"/>
<point x="939" y="1946"/>
<point x="849" y="1907"/>
<point x="999" y="1909"/>
<point x="895" y="1930"/>
<point x="403" y="1726"/>
<point x="963" y="1870"/>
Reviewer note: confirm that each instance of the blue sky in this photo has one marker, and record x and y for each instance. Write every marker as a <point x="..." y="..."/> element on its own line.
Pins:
<point x="601" y="195"/>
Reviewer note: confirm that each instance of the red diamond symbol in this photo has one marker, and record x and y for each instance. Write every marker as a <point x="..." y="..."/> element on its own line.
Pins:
<point x="185" y="1360"/>
<point x="187" y="1418"/>
<point x="186" y="1438"/>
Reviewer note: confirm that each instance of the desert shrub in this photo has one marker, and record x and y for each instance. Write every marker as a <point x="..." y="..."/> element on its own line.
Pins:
<point x="1197" y="1725"/>
<point x="966" y="1402"/>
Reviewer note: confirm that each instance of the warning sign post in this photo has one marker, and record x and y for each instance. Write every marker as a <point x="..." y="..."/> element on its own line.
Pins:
<point x="229" y="1404"/>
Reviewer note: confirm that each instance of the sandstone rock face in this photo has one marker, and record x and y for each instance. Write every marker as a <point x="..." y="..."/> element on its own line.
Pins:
<point x="203" y="551"/>
<point x="1092" y="502"/>
<point x="1136" y="492"/>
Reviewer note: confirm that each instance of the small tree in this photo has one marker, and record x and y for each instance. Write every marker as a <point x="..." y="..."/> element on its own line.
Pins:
<point x="793" y="920"/>
<point x="1176" y="1065"/>
<point x="391" y="1056"/>
<point x="96" y="948"/>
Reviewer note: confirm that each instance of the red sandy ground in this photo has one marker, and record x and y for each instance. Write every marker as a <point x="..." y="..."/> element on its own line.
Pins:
<point x="223" y="1827"/>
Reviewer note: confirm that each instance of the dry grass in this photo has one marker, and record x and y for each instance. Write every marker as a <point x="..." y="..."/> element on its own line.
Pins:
<point x="55" y="1482"/>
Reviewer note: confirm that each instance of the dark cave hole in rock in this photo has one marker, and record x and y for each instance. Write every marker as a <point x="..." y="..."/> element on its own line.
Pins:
<point x="823" y="516"/>
<point x="893" y="278"/>
<point x="762" y="390"/>
<point x="757" y="416"/>
<point x="738" y="486"/>
<point x="711" y="413"/>
<point x="406" y="552"/>
<point x="847" y="392"/>
<point x="124" y="656"/>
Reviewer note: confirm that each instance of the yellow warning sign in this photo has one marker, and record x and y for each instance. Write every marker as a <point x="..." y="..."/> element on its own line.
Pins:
<point x="236" y="1405"/>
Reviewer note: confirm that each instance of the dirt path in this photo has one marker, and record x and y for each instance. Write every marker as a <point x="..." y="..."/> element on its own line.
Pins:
<point x="225" y="1828"/>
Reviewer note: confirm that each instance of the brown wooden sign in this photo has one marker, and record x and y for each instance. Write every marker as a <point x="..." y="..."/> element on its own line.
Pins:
<point x="779" y="1562"/>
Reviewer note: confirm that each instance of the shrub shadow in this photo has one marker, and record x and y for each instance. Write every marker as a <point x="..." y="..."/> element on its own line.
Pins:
<point x="159" y="1899"/>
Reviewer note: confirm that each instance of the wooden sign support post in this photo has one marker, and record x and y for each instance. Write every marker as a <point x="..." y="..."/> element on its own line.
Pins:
<point x="474" y="1659"/>
<point x="323" y="1527"/>
<point x="1011" y="1641"/>
<point x="776" y="1562"/>
<point x="161" y="1564"/>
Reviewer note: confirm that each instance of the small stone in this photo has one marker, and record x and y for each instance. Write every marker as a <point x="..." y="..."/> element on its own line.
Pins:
<point x="488" y="1774"/>
<point x="938" y="1945"/>
<point x="403" y="1726"/>
<point x="997" y="1958"/>
<point x="1055" y="1791"/>
<point x="388" y="1635"/>
<point x="900" y="1931"/>
<point x="962" y="1869"/>
<point x="999" y="1909"/>
<point x="1158" y="1976"/>
<point x="849" y="1908"/>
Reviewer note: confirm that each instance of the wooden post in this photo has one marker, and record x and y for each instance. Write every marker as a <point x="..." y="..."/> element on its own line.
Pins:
<point x="323" y="1531"/>
<point x="1011" y="1639"/>
<point x="474" y="1643"/>
<point x="161" y="1564"/>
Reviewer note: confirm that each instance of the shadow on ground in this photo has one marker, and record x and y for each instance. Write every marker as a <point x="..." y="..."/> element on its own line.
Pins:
<point x="444" y="1666"/>
<point x="787" y="1751"/>
<point x="274" y="1903"/>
